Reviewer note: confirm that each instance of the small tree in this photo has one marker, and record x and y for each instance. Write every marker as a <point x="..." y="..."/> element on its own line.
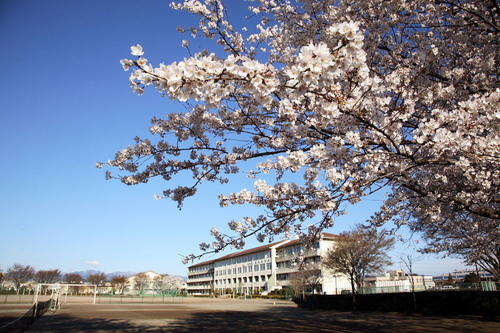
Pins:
<point x="357" y="253"/>
<point x="472" y="278"/>
<point x="19" y="274"/>
<point x="408" y="263"/>
<point x="119" y="282"/>
<point x="308" y="277"/>
<point x="98" y="279"/>
<point x="450" y="280"/>
<point x="48" y="276"/>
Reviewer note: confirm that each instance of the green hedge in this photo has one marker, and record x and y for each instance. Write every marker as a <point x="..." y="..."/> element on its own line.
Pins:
<point x="271" y="296"/>
<point x="483" y="303"/>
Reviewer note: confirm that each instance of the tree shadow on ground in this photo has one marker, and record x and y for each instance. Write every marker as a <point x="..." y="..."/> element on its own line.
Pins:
<point x="272" y="320"/>
<point x="277" y="320"/>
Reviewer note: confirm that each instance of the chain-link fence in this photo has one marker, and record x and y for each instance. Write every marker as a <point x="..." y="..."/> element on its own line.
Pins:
<point x="141" y="299"/>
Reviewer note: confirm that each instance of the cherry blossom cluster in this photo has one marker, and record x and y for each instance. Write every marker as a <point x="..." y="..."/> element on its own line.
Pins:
<point x="350" y="96"/>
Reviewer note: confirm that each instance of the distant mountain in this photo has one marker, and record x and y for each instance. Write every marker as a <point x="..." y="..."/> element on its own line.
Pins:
<point x="180" y="277"/>
<point x="85" y="274"/>
<point x="126" y="274"/>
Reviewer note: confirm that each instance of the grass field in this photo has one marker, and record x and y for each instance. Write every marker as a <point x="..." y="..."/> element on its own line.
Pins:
<point x="228" y="315"/>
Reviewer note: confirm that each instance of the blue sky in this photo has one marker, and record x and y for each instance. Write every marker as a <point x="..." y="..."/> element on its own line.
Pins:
<point x="65" y="103"/>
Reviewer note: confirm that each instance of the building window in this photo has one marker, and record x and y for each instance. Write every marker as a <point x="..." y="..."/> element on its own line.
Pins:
<point x="269" y="266"/>
<point x="262" y="267"/>
<point x="256" y="268"/>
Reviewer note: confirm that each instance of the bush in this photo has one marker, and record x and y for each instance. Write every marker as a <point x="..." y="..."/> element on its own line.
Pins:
<point x="271" y="296"/>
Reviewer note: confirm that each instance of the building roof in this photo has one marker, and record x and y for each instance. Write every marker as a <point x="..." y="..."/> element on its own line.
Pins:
<point x="324" y="235"/>
<point x="283" y="243"/>
<point x="237" y="254"/>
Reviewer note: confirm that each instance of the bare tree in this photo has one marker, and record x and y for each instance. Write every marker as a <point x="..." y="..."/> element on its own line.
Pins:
<point x="307" y="278"/>
<point x="158" y="283"/>
<point x="357" y="253"/>
<point x="2" y="276"/>
<point x="19" y="273"/>
<point x="140" y="281"/>
<point x="73" y="278"/>
<point x="98" y="279"/>
<point x="119" y="282"/>
<point x="48" y="276"/>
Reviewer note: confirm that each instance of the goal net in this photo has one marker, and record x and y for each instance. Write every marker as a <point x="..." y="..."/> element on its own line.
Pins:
<point x="62" y="293"/>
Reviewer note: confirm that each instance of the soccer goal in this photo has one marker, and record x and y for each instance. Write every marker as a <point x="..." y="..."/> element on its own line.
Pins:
<point x="61" y="293"/>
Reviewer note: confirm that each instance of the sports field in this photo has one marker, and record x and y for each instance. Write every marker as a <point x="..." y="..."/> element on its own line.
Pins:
<point x="228" y="315"/>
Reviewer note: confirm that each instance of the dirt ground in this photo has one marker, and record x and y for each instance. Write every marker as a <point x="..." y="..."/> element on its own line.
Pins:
<point x="9" y="312"/>
<point x="227" y="315"/>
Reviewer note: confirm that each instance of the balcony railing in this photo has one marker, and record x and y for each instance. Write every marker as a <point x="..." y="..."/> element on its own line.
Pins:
<point x="210" y="270"/>
<point x="207" y="286"/>
<point x="200" y="279"/>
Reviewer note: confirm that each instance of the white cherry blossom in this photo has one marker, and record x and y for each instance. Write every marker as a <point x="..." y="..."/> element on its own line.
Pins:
<point x="353" y="96"/>
<point x="136" y="50"/>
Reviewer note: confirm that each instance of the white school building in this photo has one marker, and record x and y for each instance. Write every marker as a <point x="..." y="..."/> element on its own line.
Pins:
<point x="263" y="269"/>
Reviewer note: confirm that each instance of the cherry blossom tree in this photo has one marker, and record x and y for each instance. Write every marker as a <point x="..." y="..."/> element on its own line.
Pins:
<point x="478" y="242"/>
<point x="349" y="96"/>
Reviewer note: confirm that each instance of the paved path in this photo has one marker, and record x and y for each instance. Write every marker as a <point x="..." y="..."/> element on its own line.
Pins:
<point x="241" y="316"/>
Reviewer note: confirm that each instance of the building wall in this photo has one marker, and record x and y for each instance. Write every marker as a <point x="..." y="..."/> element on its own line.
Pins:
<point x="397" y="281"/>
<point x="244" y="274"/>
<point x="263" y="270"/>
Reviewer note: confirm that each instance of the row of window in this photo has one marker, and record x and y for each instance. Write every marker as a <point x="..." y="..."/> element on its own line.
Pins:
<point x="204" y="275"/>
<point x="244" y="269"/>
<point x="295" y="250"/>
<point x="292" y="264"/>
<point x="243" y="259"/>
<point x="199" y="284"/>
<point x="200" y="268"/>
<point x="244" y="279"/>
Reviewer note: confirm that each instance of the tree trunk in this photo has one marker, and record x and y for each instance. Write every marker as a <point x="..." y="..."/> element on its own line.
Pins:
<point x="413" y="295"/>
<point x="353" y="295"/>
